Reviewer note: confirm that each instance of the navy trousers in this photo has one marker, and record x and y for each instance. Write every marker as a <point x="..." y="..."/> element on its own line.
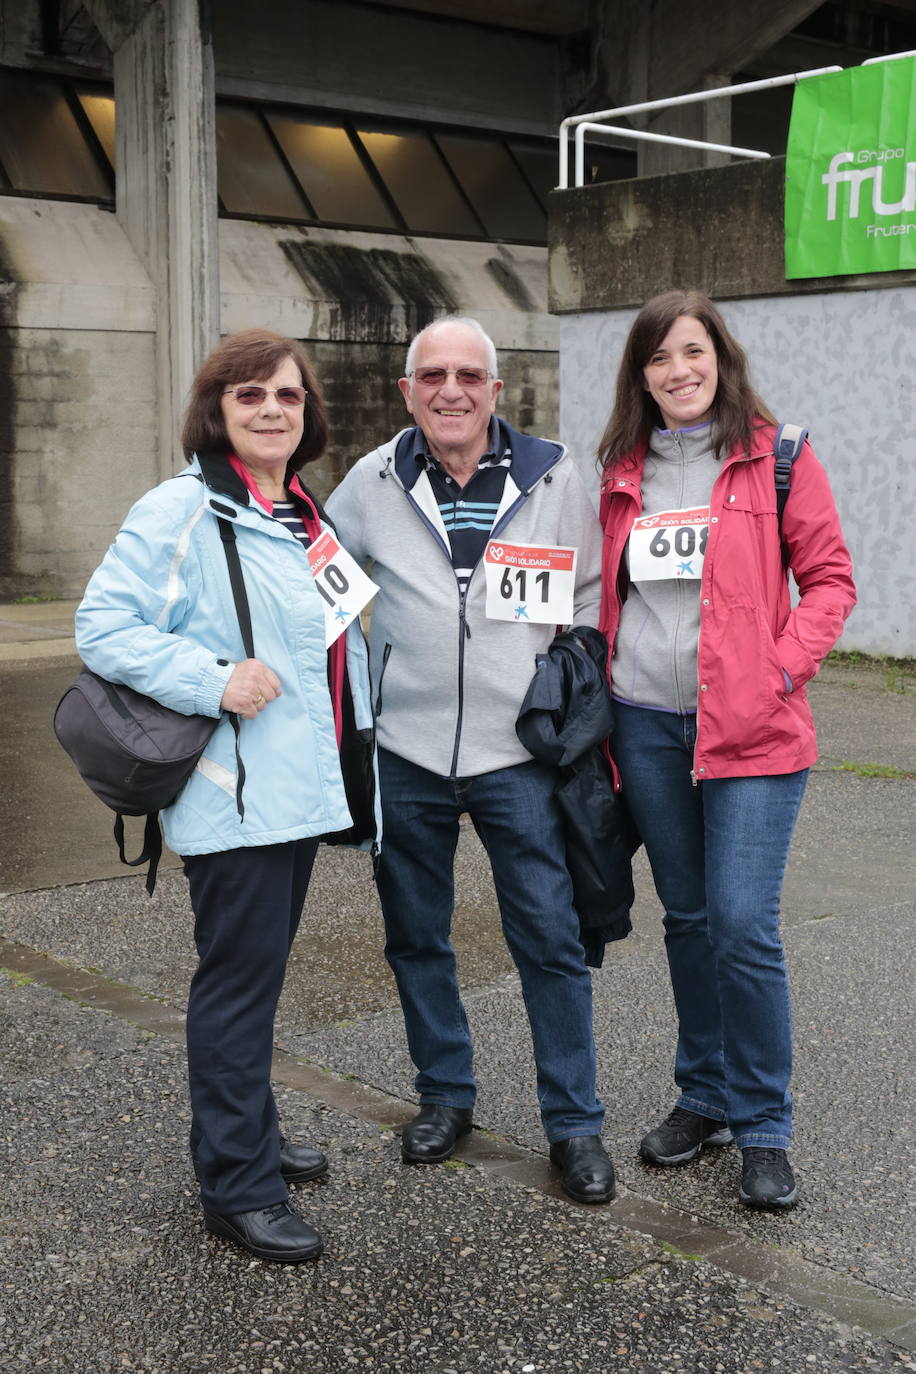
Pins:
<point x="247" y="906"/>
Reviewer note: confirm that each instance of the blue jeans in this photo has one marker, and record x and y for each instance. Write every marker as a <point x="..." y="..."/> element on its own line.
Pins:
<point x="514" y="813"/>
<point x="718" y="853"/>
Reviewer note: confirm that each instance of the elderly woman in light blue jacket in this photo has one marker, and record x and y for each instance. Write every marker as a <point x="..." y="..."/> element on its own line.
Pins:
<point x="159" y="615"/>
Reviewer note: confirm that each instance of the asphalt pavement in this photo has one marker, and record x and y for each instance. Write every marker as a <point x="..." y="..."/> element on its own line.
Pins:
<point x="481" y="1263"/>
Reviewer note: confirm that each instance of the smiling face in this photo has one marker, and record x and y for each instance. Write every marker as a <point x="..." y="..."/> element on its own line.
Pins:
<point x="265" y="436"/>
<point x="454" y="418"/>
<point x="682" y="375"/>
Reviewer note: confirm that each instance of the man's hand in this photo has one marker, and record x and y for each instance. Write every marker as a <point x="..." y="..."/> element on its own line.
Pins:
<point x="249" y="689"/>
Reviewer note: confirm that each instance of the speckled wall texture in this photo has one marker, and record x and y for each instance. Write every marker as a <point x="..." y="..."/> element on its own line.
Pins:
<point x="841" y="363"/>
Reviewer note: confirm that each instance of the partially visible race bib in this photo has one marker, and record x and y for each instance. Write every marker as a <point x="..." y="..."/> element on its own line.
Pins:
<point x="530" y="583"/>
<point x="669" y="544"/>
<point x="341" y="583"/>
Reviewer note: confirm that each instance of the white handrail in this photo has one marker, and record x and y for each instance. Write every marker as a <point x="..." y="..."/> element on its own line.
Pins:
<point x="692" y="98"/>
<point x="621" y="132"/>
<point x="887" y="57"/>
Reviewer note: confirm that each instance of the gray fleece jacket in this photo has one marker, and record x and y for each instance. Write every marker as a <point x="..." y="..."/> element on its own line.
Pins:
<point x="447" y="681"/>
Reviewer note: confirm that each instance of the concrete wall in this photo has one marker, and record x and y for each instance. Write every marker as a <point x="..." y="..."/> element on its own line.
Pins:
<point x="838" y="356"/>
<point x="78" y="416"/>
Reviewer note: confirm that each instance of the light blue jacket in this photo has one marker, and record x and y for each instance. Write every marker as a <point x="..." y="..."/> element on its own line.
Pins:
<point x="158" y="615"/>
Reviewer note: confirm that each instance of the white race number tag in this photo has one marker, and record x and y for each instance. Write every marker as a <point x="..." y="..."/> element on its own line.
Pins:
<point x="530" y="583"/>
<point x="341" y="583"/>
<point x="669" y="544"/>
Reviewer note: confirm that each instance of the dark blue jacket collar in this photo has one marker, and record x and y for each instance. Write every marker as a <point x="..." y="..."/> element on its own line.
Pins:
<point x="531" y="457"/>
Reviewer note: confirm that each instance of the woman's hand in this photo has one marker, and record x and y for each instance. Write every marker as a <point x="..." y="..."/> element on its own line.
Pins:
<point x="249" y="689"/>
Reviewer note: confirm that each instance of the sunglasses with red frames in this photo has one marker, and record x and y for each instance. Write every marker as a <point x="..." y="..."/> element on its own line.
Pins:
<point x="257" y="395"/>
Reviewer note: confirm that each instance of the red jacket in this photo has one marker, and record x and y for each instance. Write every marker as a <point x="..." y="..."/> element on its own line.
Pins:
<point x="748" y="724"/>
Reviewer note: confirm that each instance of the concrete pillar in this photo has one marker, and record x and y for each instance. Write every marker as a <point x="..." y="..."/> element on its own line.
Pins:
<point x="711" y="122"/>
<point x="166" y="182"/>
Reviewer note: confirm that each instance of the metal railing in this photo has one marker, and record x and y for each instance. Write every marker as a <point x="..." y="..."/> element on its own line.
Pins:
<point x="587" y="123"/>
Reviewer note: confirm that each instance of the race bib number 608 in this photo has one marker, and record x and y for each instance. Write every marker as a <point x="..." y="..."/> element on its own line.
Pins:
<point x="530" y="583"/>
<point x="669" y="544"/>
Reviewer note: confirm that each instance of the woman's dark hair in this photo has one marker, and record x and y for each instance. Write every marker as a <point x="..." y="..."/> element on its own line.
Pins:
<point x="736" y="409"/>
<point x="250" y="356"/>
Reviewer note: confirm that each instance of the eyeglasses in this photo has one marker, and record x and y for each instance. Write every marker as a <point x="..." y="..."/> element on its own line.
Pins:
<point x="464" y="376"/>
<point x="257" y="395"/>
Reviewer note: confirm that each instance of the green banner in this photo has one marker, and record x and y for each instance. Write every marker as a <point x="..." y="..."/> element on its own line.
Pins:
<point x="851" y="172"/>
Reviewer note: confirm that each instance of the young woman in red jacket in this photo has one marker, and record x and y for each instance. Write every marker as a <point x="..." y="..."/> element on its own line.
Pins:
<point x="713" y="734"/>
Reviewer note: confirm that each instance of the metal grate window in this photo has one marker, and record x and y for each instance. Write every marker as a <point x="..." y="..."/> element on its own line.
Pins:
<point x="43" y="148"/>
<point x="57" y="138"/>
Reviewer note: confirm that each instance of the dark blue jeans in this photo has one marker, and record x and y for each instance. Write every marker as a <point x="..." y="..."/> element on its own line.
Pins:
<point x="514" y="813"/>
<point x="718" y="852"/>
<point x="247" y="906"/>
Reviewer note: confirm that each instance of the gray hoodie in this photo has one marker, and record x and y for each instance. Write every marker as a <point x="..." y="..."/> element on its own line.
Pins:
<point x="447" y="681"/>
<point x="655" y="653"/>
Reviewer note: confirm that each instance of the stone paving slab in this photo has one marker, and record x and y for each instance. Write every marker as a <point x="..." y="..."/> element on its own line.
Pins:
<point x="105" y="1265"/>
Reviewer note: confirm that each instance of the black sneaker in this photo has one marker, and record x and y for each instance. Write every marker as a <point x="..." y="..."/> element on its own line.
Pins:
<point x="681" y="1137"/>
<point x="767" y="1179"/>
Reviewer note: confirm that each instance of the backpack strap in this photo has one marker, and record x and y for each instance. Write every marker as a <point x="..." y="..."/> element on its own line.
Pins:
<point x="152" y="846"/>
<point x="787" y="445"/>
<point x="243" y="611"/>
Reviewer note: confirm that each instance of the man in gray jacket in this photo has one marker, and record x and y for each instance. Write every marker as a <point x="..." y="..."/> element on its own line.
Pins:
<point x="468" y="528"/>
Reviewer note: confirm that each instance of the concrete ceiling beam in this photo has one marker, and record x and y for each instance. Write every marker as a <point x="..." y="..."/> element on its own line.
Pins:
<point x="732" y="36"/>
<point x="116" y="20"/>
<point x="556" y="17"/>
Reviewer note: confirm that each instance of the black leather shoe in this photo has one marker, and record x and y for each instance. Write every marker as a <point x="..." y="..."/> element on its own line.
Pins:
<point x="587" y="1173"/>
<point x="272" y="1233"/>
<point x="298" y="1163"/>
<point x="431" y="1136"/>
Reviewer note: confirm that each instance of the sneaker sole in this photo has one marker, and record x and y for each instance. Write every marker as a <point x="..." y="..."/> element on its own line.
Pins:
<point x="765" y="1204"/>
<point x="723" y="1137"/>
<point x="219" y="1228"/>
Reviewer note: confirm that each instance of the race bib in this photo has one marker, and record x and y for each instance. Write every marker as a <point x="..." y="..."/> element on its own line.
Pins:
<point x="530" y="583"/>
<point x="341" y="583"/>
<point x="669" y="544"/>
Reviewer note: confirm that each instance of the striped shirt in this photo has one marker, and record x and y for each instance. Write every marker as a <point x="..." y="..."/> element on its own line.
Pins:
<point x="468" y="512"/>
<point x="286" y="513"/>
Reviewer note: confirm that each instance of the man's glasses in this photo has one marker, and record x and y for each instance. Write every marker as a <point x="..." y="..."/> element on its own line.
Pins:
<point x="257" y="395"/>
<point x="464" y="376"/>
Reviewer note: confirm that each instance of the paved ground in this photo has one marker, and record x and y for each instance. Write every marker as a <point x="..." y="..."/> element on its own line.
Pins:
<point x="479" y="1264"/>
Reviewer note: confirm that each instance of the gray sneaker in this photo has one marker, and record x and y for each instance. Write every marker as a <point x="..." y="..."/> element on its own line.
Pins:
<point x="681" y="1137"/>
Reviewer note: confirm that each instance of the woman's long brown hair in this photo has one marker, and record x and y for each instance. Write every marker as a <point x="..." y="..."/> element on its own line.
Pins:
<point x="736" y="408"/>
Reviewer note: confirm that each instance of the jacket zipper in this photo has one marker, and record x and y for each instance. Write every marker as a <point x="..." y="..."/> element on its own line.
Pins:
<point x="377" y="711"/>
<point x="464" y="632"/>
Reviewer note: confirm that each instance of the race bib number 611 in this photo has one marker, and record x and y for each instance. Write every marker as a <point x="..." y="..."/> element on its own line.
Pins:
<point x="530" y="583"/>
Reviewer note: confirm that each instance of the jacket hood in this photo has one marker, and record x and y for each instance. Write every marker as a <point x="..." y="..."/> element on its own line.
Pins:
<point x="532" y="458"/>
